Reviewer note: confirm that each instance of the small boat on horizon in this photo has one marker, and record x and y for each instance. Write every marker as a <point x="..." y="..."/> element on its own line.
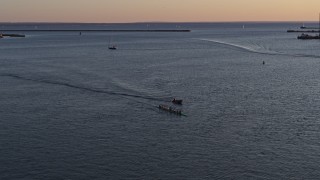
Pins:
<point x="113" y="47"/>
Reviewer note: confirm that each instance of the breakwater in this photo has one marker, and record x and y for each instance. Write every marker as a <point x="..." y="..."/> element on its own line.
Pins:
<point x="303" y="31"/>
<point x="13" y="35"/>
<point x="93" y="30"/>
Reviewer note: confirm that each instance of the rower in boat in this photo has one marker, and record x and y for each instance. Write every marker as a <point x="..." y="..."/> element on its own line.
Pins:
<point x="177" y="101"/>
<point x="170" y="109"/>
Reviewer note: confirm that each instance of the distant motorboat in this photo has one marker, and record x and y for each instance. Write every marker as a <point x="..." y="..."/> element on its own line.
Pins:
<point x="303" y="26"/>
<point x="113" y="47"/>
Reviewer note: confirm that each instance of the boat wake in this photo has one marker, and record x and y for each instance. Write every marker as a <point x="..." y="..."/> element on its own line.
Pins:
<point x="242" y="47"/>
<point x="258" y="50"/>
<point x="84" y="88"/>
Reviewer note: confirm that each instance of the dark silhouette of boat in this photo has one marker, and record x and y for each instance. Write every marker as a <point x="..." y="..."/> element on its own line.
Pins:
<point x="113" y="47"/>
<point x="303" y="26"/>
<point x="170" y="109"/>
<point x="177" y="101"/>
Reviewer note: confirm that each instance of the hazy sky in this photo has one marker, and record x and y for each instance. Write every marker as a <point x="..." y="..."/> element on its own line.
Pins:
<point x="108" y="11"/>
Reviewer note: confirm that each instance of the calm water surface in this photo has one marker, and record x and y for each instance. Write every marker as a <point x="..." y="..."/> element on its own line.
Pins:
<point x="72" y="109"/>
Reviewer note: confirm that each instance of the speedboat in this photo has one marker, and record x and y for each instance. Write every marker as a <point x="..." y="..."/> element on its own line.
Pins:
<point x="113" y="47"/>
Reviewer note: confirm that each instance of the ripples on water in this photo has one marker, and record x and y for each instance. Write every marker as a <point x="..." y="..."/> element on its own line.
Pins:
<point x="72" y="109"/>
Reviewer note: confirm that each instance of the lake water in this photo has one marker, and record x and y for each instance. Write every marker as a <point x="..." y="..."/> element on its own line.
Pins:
<point x="72" y="109"/>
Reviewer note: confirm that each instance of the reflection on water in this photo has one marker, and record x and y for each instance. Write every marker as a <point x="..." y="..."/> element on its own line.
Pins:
<point x="72" y="109"/>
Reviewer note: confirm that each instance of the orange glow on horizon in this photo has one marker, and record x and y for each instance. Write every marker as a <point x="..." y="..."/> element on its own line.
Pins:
<point x="107" y="11"/>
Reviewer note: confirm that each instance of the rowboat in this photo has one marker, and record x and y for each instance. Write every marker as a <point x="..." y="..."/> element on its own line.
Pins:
<point x="170" y="109"/>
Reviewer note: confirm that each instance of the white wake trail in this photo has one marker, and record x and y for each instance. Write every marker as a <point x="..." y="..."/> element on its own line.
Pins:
<point x="242" y="47"/>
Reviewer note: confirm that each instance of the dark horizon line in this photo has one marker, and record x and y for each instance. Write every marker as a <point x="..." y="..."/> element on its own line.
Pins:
<point x="157" y="22"/>
<point x="93" y="30"/>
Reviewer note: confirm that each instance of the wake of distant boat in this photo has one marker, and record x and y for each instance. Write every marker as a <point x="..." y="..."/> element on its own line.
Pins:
<point x="256" y="50"/>
<point x="242" y="47"/>
<point x="85" y="88"/>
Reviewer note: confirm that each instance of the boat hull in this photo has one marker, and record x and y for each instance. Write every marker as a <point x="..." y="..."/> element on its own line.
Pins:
<point x="170" y="109"/>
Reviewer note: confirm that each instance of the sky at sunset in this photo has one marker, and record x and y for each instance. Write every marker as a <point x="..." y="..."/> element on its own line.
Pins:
<point x="119" y="11"/>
